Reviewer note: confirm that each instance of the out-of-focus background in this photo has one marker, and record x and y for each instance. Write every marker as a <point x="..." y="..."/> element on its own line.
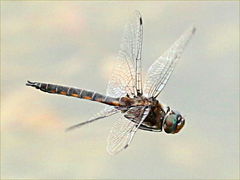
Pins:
<point x="75" y="44"/>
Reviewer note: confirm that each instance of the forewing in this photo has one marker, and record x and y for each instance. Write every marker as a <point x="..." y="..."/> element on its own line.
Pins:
<point x="124" y="130"/>
<point x="160" y="71"/>
<point x="123" y="80"/>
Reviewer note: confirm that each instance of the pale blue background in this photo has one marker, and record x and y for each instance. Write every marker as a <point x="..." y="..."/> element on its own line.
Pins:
<point x="75" y="44"/>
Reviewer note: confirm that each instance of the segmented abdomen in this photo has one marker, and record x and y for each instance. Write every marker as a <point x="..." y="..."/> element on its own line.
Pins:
<point x="75" y="92"/>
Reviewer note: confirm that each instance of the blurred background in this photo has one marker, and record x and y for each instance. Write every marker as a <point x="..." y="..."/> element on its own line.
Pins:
<point x="75" y="44"/>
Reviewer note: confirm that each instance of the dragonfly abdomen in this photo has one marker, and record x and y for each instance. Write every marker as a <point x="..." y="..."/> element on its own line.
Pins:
<point x="75" y="92"/>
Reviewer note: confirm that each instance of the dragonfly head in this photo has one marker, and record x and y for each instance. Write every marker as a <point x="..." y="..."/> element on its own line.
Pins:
<point x="173" y="122"/>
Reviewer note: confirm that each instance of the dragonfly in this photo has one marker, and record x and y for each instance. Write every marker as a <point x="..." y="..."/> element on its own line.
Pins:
<point x="134" y="100"/>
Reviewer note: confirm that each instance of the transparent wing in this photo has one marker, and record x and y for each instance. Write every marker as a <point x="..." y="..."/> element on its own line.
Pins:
<point x="126" y="75"/>
<point x="124" y="130"/>
<point x="160" y="71"/>
<point x="108" y="111"/>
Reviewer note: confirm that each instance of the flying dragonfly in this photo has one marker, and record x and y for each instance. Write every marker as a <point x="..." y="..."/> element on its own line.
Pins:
<point x="135" y="102"/>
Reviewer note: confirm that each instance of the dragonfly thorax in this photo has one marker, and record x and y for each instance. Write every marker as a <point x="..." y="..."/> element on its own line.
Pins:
<point x="137" y="101"/>
<point x="134" y="107"/>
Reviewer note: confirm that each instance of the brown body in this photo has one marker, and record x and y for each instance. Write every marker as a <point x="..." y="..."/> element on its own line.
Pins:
<point x="75" y="92"/>
<point x="153" y="121"/>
